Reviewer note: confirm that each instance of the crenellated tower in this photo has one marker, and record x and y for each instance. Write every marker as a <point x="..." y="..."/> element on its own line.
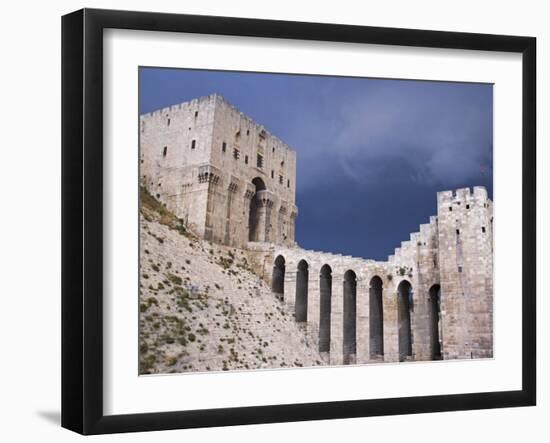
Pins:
<point x="465" y="234"/>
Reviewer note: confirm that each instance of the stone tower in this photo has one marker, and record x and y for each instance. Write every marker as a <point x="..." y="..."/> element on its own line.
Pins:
<point x="465" y="221"/>
<point x="226" y="176"/>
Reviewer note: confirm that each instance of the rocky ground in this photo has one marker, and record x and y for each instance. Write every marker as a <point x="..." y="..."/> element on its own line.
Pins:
<point x="202" y="308"/>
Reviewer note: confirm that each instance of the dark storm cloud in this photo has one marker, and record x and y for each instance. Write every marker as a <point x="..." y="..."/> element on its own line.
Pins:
<point x="371" y="153"/>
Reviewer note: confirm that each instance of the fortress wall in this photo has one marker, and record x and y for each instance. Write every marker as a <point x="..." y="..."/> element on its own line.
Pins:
<point x="200" y="159"/>
<point x="440" y="319"/>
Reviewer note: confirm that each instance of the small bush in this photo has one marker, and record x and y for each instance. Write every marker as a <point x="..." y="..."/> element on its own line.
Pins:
<point x="174" y="279"/>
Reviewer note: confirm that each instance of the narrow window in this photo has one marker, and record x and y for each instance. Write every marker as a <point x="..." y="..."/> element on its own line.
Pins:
<point x="458" y="232"/>
<point x="467" y="206"/>
<point x="164" y="151"/>
<point x="236" y="154"/>
<point x="460" y="269"/>
<point x="260" y="161"/>
<point x="273" y="149"/>
<point x="196" y="114"/>
<point x="288" y="183"/>
<point x="450" y="208"/>
<point x="282" y="163"/>
<point x="193" y="144"/>
<point x="246" y="159"/>
<point x="483" y="229"/>
<point x="272" y="173"/>
<point x="224" y="146"/>
<point x="168" y="122"/>
<point x="281" y="179"/>
<point x="248" y="132"/>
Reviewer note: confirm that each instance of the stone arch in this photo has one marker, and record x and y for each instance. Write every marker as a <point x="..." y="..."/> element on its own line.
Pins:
<point x="404" y="307"/>
<point x="325" y="307"/>
<point x="278" y="277"/>
<point x="257" y="213"/>
<point x="376" y="318"/>
<point x="435" y="311"/>
<point x="350" y="317"/>
<point x="302" y="278"/>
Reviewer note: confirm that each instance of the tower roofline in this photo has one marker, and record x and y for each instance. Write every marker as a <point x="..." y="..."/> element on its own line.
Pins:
<point x="221" y="98"/>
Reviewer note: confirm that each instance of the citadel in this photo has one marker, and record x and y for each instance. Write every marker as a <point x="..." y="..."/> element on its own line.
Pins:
<point x="234" y="183"/>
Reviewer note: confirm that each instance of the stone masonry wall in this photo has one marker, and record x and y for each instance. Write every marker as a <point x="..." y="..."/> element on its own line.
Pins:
<point x="234" y="183"/>
<point x="451" y="281"/>
<point x="201" y="159"/>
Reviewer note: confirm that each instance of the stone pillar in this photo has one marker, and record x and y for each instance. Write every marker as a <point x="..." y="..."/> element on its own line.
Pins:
<point x="391" y="338"/>
<point x="336" y="320"/>
<point x="231" y="192"/>
<point x="290" y="286"/>
<point x="261" y="221"/>
<point x="281" y="235"/>
<point x="420" y="323"/>
<point x="313" y="305"/>
<point x="362" y="322"/>
<point x="292" y="225"/>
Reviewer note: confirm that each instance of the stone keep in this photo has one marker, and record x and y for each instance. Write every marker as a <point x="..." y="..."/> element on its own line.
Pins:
<point x="226" y="176"/>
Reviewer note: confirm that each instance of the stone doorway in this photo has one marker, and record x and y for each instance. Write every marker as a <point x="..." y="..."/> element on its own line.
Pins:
<point x="257" y="213"/>
<point x="404" y="307"/>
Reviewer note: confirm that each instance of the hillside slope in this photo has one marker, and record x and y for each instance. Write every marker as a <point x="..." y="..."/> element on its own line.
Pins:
<point x="203" y="309"/>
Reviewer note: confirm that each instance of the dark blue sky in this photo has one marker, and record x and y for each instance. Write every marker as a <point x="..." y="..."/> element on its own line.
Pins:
<point x="371" y="153"/>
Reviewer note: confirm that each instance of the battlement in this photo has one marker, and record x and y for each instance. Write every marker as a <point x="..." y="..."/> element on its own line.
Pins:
<point x="194" y="103"/>
<point x="213" y="100"/>
<point x="462" y="195"/>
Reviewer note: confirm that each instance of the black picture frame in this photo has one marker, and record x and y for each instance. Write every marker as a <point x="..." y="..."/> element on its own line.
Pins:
<point x="82" y="218"/>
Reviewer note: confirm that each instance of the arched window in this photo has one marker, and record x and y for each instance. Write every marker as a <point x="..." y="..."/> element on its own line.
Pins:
<point x="256" y="220"/>
<point x="404" y="307"/>
<point x="350" y="300"/>
<point x="302" y="277"/>
<point x="325" y="302"/>
<point x="376" y="319"/>
<point x="278" y="277"/>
